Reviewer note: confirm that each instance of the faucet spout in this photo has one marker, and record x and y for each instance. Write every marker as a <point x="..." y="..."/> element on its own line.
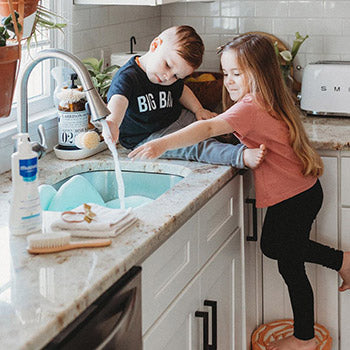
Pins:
<point x="98" y="108"/>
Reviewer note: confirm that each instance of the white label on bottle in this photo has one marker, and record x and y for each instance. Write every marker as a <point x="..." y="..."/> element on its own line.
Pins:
<point x="70" y="124"/>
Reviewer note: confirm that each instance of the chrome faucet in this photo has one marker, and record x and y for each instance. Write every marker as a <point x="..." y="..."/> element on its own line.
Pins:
<point x="97" y="107"/>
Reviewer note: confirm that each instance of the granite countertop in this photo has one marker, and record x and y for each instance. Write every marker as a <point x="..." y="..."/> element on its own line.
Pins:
<point x="40" y="295"/>
<point x="328" y="133"/>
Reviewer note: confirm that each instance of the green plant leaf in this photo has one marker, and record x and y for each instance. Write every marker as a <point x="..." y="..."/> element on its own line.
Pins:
<point x="286" y="55"/>
<point x="112" y="68"/>
<point x="93" y="63"/>
<point x="297" y="43"/>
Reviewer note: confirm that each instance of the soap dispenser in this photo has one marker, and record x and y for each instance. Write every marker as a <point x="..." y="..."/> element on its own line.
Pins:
<point x="25" y="210"/>
<point x="73" y="118"/>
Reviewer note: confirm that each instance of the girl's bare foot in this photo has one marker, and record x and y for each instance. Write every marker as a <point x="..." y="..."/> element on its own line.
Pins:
<point x="344" y="272"/>
<point x="292" y="343"/>
<point x="253" y="157"/>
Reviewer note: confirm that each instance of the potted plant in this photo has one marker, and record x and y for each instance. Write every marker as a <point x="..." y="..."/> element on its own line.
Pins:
<point x="27" y="7"/>
<point x="286" y="57"/>
<point x="11" y="34"/>
<point x="10" y="53"/>
<point x="101" y="76"/>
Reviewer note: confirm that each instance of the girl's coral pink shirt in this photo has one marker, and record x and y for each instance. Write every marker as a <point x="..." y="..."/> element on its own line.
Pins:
<point x="279" y="177"/>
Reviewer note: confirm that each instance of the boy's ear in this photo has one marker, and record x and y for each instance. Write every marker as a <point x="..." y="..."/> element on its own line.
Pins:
<point x="156" y="43"/>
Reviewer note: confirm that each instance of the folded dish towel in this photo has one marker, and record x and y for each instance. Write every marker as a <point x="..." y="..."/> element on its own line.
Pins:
<point x="90" y="220"/>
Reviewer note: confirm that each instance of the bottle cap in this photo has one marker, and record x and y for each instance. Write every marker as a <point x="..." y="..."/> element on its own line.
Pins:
<point x="23" y="143"/>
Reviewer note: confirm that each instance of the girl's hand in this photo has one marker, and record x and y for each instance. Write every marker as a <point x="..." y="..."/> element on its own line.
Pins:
<point x="204" y="114"/>
<point x="149" y="150"/>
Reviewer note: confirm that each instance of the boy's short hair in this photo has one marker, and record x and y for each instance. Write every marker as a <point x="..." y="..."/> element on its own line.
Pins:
<point x="189" y="45"/>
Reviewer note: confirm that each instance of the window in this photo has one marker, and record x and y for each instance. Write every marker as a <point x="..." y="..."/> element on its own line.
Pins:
<point x="40" y="84"/>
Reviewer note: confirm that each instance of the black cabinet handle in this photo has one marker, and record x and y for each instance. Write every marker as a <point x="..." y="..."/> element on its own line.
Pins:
<point x="254" y="237"/>
<point x="214" y="323"/>
<point x="205" y="328"/>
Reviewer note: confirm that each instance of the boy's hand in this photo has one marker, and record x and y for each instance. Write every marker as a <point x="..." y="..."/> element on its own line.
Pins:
<point x="149" y="150"/>
<point x="203" y="114"/>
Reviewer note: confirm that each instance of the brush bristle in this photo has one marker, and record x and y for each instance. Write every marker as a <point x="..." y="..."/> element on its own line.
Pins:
<point x="48" y="240"/>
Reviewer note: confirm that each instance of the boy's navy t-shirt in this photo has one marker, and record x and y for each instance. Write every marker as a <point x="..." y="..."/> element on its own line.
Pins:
<point x="152" y="107"/>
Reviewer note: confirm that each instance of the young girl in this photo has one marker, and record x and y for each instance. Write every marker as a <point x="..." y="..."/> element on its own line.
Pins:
<point x="286" y="181"/>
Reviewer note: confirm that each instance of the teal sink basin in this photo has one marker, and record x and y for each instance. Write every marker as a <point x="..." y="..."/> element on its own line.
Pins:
<point x="101" y="187"/>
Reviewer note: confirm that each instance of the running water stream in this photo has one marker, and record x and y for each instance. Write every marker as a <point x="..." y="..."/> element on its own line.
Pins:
<point x="118" y="174"/>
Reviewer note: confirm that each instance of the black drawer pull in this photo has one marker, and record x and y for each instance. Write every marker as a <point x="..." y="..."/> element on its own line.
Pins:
<point x="214" y="323"/>
<point x="254" y="237"/>
<point x="205" y="328"/>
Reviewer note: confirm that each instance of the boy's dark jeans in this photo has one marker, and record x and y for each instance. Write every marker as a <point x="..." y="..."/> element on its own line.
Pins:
<point x="208" y="151"/>
<point x="285" y="238"/>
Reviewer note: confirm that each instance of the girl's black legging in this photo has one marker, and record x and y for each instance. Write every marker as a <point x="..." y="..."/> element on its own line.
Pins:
<point x="285" y="238"/>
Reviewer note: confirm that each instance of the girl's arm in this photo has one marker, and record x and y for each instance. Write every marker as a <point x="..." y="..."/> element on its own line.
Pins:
<point x="189" y="100"/>
<point x="190" y="135"/>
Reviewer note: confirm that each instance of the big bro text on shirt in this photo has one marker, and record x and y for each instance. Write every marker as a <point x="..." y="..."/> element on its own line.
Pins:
<point x="148" y="102"/>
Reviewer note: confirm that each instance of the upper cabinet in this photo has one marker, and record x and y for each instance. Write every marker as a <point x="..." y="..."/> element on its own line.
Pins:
<point x="132" y="2"/>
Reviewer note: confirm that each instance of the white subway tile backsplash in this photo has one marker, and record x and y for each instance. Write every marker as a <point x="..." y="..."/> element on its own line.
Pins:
<point x="211" y="41"/>
<point x="346" y="27"/>
<point x="99" y="16"/>
<point x="337" y="44"/>
<point x="306" y="9"/>
<point x="176" y="9"/>
<point x="196" y="22"/>
<point x="247" y="8"/>
<point x="289" y="26"/>
<point x="337" y="9"/>
<point x="81" y="19"/>
<point x="324" y="27"/>
<point x="255" y="24"/>
<point x="221" y="25"/>
<point x="230" y="8"/>
<point x="211" y="9"/>
<point x="271" y="9"/>
<point x="327" y="22"/>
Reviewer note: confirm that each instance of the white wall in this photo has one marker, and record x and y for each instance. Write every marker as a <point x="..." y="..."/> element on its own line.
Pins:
<point x="101" y="30"/>
<point x="326" y="22"/>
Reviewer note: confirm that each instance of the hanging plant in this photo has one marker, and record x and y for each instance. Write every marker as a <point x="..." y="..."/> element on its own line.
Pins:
<point x="11" y="35"/>
<point x="10" y="55"/>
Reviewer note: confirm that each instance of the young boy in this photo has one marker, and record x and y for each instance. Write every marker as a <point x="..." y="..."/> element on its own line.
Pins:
<point x="148" y="99"/>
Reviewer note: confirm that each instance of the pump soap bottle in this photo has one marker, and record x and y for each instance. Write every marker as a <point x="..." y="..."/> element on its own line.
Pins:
<point x="25" y="209"/>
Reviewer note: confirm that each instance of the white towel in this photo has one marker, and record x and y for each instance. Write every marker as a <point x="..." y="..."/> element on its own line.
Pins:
<point x="107" y="222"/>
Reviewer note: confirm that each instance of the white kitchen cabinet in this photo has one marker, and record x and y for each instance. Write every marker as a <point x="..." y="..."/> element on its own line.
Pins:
<point x="177" y="283"/>
<point x="344" y="299"/>
<point x="253" y="257"/>
<point x="219" y="281"/>
<point x="132" y="2"/>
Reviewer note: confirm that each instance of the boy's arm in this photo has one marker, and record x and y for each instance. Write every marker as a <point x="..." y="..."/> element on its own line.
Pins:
<point x="190" y="135"/>
<point x="190" y="101"/>
<point x="117" y="105"/>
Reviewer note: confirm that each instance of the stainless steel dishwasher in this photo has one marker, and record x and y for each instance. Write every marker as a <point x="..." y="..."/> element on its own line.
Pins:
<point x="112" y="322"/>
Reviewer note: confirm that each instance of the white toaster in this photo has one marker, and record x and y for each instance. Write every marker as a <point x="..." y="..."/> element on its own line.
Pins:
<point x="325" y="88"/>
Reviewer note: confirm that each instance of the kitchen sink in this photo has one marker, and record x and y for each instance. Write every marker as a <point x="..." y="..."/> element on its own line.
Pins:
<point x="101" y="187"/>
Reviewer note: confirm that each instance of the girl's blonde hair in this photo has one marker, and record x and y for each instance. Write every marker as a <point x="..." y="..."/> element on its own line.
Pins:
<point x="256" y="57"/>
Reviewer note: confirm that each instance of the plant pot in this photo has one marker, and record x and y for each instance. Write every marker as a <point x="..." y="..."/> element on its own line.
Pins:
<point x="9" y="59"/>
<point x="30" y="7"/>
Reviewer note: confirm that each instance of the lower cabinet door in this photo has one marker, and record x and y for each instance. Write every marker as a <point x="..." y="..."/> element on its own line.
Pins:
<point x="177" y="327"/>
<point x="218" y="285"/>
<point x="222" y="283"/>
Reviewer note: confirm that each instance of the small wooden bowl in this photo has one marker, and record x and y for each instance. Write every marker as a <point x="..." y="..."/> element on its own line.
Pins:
<point x="280" y="329"/>
<point x="209" y="93"/>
